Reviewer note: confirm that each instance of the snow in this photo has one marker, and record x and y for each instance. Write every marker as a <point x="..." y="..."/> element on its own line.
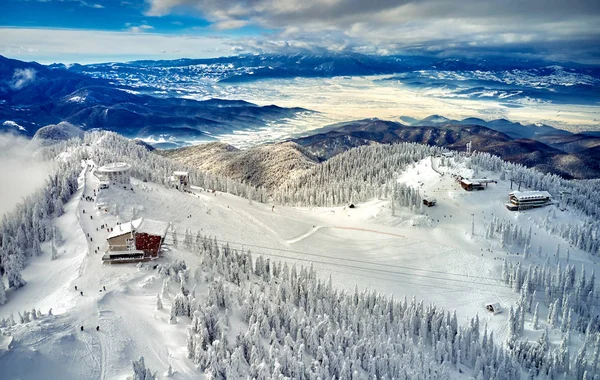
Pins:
<point x="77" y="99"/>
<point x="153" y="227"/>
<point x="522" y="195"/>
<point x="431" y="254"/>
<point x="124" y="228"/>
<point x="10" y="123"/>
<point x="114" y="167"/>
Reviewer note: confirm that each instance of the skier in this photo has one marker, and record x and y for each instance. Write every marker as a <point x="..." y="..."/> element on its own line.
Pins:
<point x="104" y="287"/>
<point x="81" y="293"/>
<point x="273" y="208"/>
<point x="75" y="287"/>
<point x="97" y="328"/>
<point x="81" y="328"/>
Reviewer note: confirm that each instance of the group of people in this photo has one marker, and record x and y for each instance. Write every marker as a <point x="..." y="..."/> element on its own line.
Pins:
<point x="81" y="292"/>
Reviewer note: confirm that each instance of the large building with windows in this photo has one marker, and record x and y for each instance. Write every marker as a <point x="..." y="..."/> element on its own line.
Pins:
<point x="523" y="200"/>
<point x="116" y="172"/>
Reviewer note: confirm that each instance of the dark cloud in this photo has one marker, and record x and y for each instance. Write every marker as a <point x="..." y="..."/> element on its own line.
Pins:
<point x="394" y="26"/>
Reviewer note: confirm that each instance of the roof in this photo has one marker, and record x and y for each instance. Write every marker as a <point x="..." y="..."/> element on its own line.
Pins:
<point x="429" y="199"/>
<point x="125" y="228"/>
<point x="153" y="227"/>
<point x="181" y="173"/>
<point x="525" y="195"/>
<point x="114" y="167"/>
<point x="141" y="225"/>
<point x="466" y="181"/>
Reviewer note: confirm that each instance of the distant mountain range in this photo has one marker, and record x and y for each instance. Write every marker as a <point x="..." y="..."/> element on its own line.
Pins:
<point x="33" y="96"/>
<point x="542" y="147"/>
<point x="485" y="78"/>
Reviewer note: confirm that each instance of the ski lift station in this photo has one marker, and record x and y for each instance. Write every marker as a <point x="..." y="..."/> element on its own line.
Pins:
<point x="475" y="184"/>
<point x="116" y="172"/>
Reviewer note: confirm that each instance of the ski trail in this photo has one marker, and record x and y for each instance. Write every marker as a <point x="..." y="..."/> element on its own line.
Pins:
<point x="305" y="235"/>
<point x="87" y="346"/>
<point x="103" y="358"/>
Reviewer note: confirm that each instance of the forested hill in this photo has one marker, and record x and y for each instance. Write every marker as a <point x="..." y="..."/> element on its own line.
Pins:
<point x="335" y="139"/>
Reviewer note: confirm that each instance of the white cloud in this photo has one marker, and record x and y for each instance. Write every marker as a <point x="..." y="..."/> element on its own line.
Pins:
<point x="88" y="46"/>
<point x="571" y="27"/>
<point x="22" y="77"/>
<point x="139" y="29"/>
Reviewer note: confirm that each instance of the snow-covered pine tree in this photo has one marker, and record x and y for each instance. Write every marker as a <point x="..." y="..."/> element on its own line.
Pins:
<point x="54" y="253"/>
<point x="3" y="298"/>
<point x="13" y="273"/>
<point x="159" y="305"/>
<point x="140" y="372"/>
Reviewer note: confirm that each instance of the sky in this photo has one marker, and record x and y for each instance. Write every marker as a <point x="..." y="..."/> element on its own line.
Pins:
<point x="88" y="31"/>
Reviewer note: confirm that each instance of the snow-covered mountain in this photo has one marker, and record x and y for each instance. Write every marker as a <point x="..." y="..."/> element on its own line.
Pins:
<point x="303" y="285"/>
<point x="33" y="96"/>
<point x="500" y="78"/>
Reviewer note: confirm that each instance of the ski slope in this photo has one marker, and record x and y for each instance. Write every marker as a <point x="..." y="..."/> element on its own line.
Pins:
<point x="429" y="253"/>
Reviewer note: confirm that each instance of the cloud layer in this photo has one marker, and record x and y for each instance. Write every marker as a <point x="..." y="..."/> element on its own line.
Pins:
<point x="556" y="27"/>
<point x="89" y="46"/>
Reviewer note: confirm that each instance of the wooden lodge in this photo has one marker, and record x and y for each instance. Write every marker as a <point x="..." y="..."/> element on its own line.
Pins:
<point x="135" y="241"/>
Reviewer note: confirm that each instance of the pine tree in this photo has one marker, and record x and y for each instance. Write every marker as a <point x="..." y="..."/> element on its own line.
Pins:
<point x="140" y="372"/>
<point x="159" y="305"/>
<point x="173" y="316"/>
<point x="13" y="272"/>
<point x="37" y="250"/>
<point x="536" y="316"/>
<point x="3" y="298"/>
<point x="57" y="236"/>
<point x="54" y="254"/>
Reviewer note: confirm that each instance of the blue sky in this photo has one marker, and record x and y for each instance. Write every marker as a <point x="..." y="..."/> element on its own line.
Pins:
<point x="117" y="30"/>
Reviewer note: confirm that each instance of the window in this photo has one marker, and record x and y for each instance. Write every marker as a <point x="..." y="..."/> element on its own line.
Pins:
<point x="130" y="244"/>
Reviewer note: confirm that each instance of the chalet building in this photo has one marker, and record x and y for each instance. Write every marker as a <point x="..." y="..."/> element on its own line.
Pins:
<point x="138" y="240"/>
<point x="116" y="172"/>
<point x="523" y="200"/>
<point x="429" y="201"/>
<point x="475" y="184"/>
<point x="180" y="180"/>
<point x="470" y="185"/>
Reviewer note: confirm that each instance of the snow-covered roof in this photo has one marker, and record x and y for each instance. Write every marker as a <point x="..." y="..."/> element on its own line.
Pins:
<point x="181" y="173"/>
<point x="466" y="181"/>
<point x="114" y="167"/>
<point x="153" y="227"/>
<point x="141" y="225"/>
<point x="429" y="199"/>
<point x="527" y="195"/>
<point x="125" y="228"/>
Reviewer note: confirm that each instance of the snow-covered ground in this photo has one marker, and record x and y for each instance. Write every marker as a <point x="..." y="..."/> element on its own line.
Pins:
<point x="429" y="253"/>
